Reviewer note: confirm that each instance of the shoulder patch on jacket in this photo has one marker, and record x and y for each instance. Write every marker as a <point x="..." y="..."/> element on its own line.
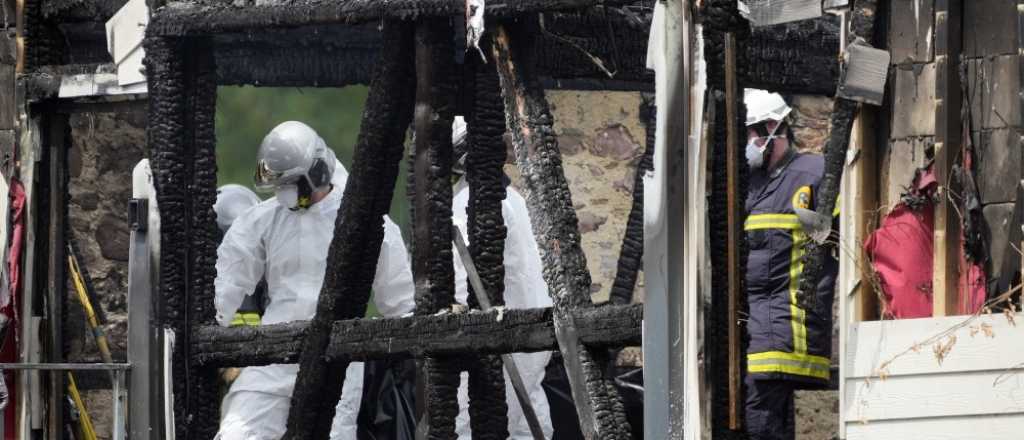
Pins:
<point x="802" y="197"/>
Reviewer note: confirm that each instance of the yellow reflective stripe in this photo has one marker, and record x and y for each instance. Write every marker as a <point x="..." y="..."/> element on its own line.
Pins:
<point x="798" y="316"/>
<point x="789" y="369"/>
<point x="835" y="211"/>
<point x="789" y="363"/>
<point x="795" y="357"/>
<point x="250" y="318"/>
<point x="771" y="221"/>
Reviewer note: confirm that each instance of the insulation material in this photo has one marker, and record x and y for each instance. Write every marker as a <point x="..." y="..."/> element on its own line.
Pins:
<point x="901" y="251"/>
<point x="125" y="31"/>
<point x="865" y="72"/>
<point x="769" y="12"/>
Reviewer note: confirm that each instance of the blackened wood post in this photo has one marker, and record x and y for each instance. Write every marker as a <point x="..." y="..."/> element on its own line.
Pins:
<point x="631" y="252"/>
<point x="358" y="234"/>
<point x="948" y="142"/>
<point x="432" y="211"/>
<point x="556" y="228"/>
<point x="485" y="159"/>
<point x="182" y="94"/>
<point x="204" y="403"/>
<point x="841" y="125"/>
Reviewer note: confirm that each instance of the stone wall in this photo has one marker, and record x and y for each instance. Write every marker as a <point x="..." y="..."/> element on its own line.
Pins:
<point x="105" y="148"/>
<point x="602" y="140"/>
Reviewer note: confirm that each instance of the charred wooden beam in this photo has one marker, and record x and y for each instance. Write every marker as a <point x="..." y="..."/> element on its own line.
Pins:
<point x="631" y="253"/>
<point x="798" y="57"/>
<point x="556" y="228"/>
<point x="204" y="403"/>
<point x="841" y="125"/>
<point x="433" y="271"/>
<point x="182" y="89"/>
<point x="514" y="331"/>
<point x="485" y="159"/>
<point x="721" y="17"/>
<point x="182" y="18"/>
<point x="358" y="234"/>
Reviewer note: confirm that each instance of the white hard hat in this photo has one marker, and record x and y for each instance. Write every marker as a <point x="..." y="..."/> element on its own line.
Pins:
<point x="763" y="106"/>
<point x="292" y="151"/>
<point x="232" y="201"/>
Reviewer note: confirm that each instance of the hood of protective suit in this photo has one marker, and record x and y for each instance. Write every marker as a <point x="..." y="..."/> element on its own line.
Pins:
<point x="525" y="288"/>
<point x="289" y="248"/>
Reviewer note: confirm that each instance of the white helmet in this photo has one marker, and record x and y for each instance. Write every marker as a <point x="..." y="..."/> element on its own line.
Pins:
<point x="764" y="106"/>
<point x="293" y="152"/>
<point x="232" y="201"/>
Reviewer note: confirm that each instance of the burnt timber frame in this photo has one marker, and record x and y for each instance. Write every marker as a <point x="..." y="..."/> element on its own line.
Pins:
<point x="182" y="74"/>
<point x="600" y="328"/>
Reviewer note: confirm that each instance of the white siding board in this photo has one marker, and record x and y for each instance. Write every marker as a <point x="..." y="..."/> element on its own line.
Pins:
<point x="953" y="428"/>
<point x="961" y="394"/>
<point x="870" y="344"/>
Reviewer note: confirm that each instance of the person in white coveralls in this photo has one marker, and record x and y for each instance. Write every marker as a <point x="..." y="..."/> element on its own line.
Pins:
<point x="524" y="289"/>
<point x="285" y="239"/>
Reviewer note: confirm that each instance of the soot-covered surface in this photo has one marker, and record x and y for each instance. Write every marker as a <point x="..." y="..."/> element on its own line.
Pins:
<point x="552" y="215"/>
<point x="721" y="17"/>
<point x="358" y="234"/>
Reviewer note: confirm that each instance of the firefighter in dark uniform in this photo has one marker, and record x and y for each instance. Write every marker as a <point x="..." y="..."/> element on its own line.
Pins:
<point x="790" y="342"/>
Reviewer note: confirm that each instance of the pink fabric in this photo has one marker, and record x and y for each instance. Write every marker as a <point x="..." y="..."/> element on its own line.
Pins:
<point x="17" y="222"/>
<point x="901" y="253"/>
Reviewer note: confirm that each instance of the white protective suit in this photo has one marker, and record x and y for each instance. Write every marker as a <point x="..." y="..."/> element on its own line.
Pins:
<point x="524" y="289"/>
<point x="289" y="248"/>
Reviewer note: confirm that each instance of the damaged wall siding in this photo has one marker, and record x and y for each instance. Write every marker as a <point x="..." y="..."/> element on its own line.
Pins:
<point x="992" y="86"/>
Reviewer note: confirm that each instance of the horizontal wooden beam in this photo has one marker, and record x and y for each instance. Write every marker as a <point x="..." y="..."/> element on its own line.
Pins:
<point x="510" y="331"/>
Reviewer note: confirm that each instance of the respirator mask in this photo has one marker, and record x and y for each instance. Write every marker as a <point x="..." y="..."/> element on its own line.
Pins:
<point x="295" y="196"/>
<point x="756" y="153"/>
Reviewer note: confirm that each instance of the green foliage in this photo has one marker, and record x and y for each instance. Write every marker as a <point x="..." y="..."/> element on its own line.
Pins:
<point x="246" y="114"/>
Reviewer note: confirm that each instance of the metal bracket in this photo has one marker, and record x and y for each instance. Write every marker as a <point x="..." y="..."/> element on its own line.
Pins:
<point x="138" y="214"/>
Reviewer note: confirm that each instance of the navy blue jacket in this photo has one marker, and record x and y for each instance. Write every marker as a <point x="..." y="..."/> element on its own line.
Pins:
<point x="786" y="341"/>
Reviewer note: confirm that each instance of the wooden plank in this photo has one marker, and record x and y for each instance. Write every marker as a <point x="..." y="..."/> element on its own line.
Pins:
<point x="953" y="428"/>
<point x="948" y="98"/>
<point x="56" y="283"/>
<point x="28" y="150"/>
<point x="961" y="394"/>
<point x="866" y="204"/>
<point x="871" y="344"/>
<point x="732" y="165"/>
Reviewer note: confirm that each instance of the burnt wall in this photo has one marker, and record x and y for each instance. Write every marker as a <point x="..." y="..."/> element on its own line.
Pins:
<point x="992" y="82"/>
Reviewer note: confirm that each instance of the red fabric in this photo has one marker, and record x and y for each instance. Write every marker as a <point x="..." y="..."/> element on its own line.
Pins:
<point x="8" y="305"/>
<point x="901" y="253"/>
<point x="17" y="222"/>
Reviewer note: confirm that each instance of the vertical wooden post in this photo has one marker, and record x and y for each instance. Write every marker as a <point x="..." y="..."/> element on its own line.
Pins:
<point x="56" y="145"/>
<point x="864" y="173"/>
<point x="735" y="219"/>
<point x="948" y="134"/>
<point x="433" y="271"/>
<point x="358" y="234"/>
